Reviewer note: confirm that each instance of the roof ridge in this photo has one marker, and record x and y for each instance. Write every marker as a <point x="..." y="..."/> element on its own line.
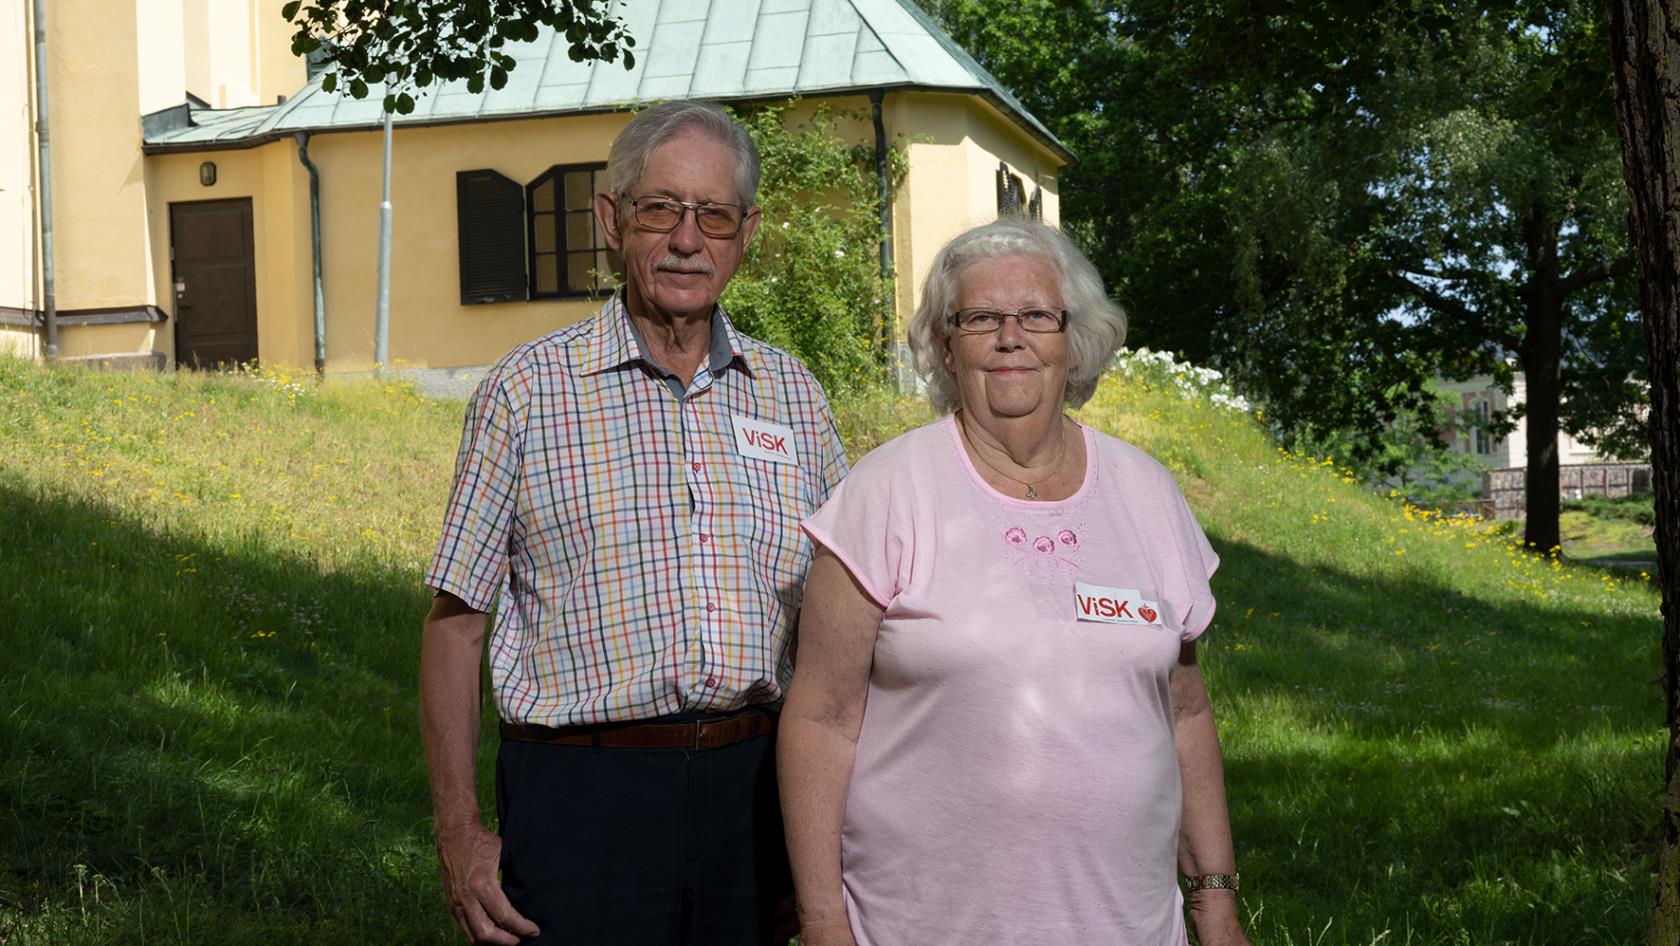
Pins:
<point x="870" y="27"/>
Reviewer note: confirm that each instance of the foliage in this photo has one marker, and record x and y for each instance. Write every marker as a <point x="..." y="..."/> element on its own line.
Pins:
<point x="409" y="44"/>
<point x="811" y="281"/>
<point x="1418" y="453"/>
<point x="1637" y="508"/>
<point x="213" y="603"/>
<point x="1337" y="200"/>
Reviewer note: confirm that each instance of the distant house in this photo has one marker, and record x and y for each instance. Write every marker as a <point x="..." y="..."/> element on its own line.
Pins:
<point x="1504" y="460"/>
<point x="185" y="140"/>
<point x="1480" y="398"/>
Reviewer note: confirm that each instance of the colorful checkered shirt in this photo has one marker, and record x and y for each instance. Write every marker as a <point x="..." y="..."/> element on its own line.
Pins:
<point x="645" y="564"/>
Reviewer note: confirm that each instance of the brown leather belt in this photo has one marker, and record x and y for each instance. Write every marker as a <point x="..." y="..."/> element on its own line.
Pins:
<point x="698" y="734"/>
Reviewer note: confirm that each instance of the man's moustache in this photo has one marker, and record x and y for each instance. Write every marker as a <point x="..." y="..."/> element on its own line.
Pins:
<point x="677" y="264"/>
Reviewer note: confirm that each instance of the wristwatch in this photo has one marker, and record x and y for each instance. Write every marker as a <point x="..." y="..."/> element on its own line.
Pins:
<point x="1213" y="882"/>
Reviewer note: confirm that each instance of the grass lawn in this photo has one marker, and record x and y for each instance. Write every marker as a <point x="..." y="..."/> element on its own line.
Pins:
<point x="212" y="599"/>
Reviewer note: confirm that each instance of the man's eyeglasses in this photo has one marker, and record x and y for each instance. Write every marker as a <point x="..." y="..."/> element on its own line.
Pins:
<point x="664" y="214"/>
<point x="987" y="321"/>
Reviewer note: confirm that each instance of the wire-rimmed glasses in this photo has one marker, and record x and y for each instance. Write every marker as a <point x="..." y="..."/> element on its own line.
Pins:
<point x="664" y="214"/>
<point x="1032" y="319"/>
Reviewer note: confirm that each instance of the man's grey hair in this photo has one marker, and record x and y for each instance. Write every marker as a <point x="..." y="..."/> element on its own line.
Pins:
<point x="654" y="126"/>
<point x="1096" y="325"/>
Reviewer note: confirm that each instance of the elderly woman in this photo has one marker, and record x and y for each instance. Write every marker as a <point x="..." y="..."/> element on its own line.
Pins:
<point x="996" y="731"/>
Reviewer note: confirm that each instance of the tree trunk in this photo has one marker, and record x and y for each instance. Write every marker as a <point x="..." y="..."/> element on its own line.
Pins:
<point x="1645" y="54"/>
<point x="1542" y="356"/>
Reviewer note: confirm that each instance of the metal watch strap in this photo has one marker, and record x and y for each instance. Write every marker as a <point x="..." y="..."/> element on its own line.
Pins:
<point x="1213" y="882"/>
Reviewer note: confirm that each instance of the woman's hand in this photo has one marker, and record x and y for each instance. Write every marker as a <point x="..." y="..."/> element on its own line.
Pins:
<point x="1214" y="913"/>
<point x="828" y="930"/>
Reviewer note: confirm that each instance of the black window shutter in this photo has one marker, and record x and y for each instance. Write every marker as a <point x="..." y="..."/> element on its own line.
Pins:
<point x="490" y="210"/>
<point x="1005" y="193"/>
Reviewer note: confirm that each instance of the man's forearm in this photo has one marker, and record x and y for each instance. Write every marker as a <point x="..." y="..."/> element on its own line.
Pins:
<point x="450" y="650"/>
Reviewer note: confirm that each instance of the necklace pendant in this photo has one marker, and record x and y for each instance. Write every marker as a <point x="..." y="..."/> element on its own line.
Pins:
<point x="1032" y="493"/>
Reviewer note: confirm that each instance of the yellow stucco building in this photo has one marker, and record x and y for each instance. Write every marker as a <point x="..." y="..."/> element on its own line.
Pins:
<point x="185" y="138"/>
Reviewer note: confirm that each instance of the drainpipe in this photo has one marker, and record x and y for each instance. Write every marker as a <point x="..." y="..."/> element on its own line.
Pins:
<point x="49" y="304"/>
<point x="883" y="198"/>
<point x="314" y="250"/>
<point x="382" y="309"/>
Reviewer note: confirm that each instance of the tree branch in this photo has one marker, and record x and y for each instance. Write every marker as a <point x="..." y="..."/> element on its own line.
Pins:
<point x="1582" y="278"/>
<point x="1454" y="309"/>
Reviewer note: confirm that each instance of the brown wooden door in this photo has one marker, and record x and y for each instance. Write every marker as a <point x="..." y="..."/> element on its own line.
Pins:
<point x="215" y="283"/>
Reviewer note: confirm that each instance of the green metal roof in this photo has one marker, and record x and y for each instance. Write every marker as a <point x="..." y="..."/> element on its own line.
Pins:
<point x="730" y="50"/>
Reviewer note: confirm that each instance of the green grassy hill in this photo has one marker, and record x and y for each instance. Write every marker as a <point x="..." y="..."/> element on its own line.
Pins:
<point x="212" y="609"/>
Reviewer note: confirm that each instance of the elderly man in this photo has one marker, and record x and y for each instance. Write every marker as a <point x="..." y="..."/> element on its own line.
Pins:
<point x="628" y="496"/>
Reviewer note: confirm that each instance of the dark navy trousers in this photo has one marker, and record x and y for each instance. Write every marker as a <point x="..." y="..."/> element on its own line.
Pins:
<point x="644" y="847"/>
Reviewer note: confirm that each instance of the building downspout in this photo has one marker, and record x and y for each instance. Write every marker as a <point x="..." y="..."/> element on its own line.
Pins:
<point x="314" y="250"/>
<point x="49" y="300"/>
<point x="883" y="199"/>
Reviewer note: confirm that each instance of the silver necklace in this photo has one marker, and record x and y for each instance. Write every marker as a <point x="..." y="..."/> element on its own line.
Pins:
<point x="1032" y="488"/>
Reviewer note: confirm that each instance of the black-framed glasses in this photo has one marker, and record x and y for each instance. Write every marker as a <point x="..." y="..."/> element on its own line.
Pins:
<point x="987" y="321"/>
<point x="664" y="214"/>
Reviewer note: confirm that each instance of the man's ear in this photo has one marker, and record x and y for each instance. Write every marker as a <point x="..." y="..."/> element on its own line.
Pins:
<point x="606" y="214"/>
<point x="749" y="226"/>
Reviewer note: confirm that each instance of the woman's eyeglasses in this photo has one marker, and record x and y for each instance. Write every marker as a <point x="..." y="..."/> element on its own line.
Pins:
<point x="987" y="321"/>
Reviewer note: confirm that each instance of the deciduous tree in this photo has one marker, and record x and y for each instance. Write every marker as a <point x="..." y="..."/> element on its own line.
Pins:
<point x="1645" y="50"/>
<point x="1335" y="200"/>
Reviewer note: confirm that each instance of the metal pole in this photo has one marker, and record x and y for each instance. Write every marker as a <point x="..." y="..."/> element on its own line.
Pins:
<point x="49" y="289"/>
<point x="382" y="319"/>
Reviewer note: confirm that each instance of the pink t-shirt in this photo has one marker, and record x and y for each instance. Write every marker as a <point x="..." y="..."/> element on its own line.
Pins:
<point x="1015" y="779"/>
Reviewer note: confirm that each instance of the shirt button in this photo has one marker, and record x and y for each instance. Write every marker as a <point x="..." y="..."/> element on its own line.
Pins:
<point x="705" y="537"/>
<point x="710" y="606"/>
<point x="695" y="466"/>
<point x="711" y="681"/>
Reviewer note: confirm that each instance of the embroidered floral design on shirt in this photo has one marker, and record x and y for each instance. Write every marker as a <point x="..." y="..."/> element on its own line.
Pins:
<point x="1046" y="555"/>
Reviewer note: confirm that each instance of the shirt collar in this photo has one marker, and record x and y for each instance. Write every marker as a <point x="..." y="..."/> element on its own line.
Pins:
<point x="615" y="342"/>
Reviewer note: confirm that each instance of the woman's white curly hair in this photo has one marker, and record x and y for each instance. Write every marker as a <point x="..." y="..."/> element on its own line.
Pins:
<point x="1096" y="325"/>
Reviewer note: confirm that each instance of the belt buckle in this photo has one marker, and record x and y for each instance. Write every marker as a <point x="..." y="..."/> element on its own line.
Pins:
<point x="698" y="724"/>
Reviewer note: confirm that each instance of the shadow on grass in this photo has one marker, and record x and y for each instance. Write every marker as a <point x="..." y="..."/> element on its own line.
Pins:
<point x="205" y="743"/>
<point x="212" y="744"/>
<point x="1405" y="757"/>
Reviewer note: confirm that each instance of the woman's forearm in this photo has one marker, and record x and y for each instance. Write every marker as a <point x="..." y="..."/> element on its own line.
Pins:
<point x="818" y="740"/>
<point x="1204" y="839"/>
<point x="814" y="764"/>
<point x="1204" y="843"/>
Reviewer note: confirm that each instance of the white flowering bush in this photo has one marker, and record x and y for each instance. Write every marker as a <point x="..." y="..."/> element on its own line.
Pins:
<point x="1160" y="369"/>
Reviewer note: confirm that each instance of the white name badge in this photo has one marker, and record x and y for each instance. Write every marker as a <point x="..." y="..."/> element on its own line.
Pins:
<point x="1113" y="605"/>
<point x="763" y="440"/>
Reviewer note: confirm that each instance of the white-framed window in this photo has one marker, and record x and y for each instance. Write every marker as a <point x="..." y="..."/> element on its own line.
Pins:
<point x="1484" y="440"/>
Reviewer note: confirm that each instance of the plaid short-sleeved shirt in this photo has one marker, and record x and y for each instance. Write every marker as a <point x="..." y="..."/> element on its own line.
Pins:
<point x="646" y="558"/>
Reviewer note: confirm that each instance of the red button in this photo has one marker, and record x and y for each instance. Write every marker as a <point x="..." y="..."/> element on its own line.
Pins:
<point x="710" y="606"/>
<point x="711" y="681"/>
<point x="695" y="466"/>
<point x="704" y="537"/>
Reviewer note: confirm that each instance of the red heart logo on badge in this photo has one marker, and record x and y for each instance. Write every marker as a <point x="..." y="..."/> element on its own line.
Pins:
<point x="1148" y="614"/>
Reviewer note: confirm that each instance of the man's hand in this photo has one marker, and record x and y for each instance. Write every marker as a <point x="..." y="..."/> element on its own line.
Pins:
<point x="470" y="856"/>
<point x="826" y="931"/>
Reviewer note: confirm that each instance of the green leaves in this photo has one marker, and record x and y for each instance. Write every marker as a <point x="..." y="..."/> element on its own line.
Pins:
<point x="409" y="44"/>
<point x="1334" y="200"/>
<point x="810" y="282"/>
